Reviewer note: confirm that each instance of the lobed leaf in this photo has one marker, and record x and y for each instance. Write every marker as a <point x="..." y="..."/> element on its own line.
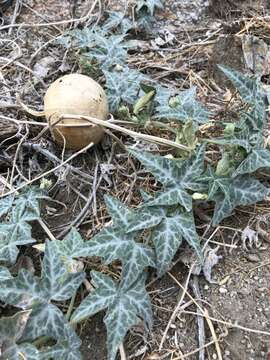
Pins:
<point x="117" y="19"/>
<point x="230" y="193"/>
<point x="176" y="177"/>
<point x="249" y="87"/>
<point x="122" y="87"/>
<point x="108" y="51"/>
<point x="11" y="330"/>
<point x="113" y="244"/>
<point x="124" y="308"/>
<point x="184" y="108"/>
<point x="29" y="292"/>
<point x="151" y="5"/>
<point x="6" y="205"/>
<point x="257" y="159"/>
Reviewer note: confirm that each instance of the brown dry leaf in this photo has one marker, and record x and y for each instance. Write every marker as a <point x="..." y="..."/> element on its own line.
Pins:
<point x="256" y="54"/>
<point x="228" y="95"/>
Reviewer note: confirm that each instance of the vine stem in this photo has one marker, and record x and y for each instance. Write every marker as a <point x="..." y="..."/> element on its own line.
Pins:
<point x="71" y="305"/>
<point x="134" y="134"/>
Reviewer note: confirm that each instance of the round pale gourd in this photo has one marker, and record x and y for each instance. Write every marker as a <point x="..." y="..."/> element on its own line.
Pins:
<point x="75" y="94"/>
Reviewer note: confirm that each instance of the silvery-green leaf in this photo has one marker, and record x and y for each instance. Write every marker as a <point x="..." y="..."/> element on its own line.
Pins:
<point x="163" y="95"/>
<point x="13" y="233"/>
<point x="251" y="92"/>
<point x="113" y="244"/>
<point x="177" y="177"/>
<point x="125" y="306"/>
<point x="143" y="219"/>
<point x="66" y="348"/>
<point x="167" y="239"/>
<point x="184" y="109"/>
<point x="108" y="51"/>
<point x="28" y="201"/>
<point x="123" y="314"/>
<point x="172" y="196"/>
<point x="168" y="235"/>
<point x="151" y="5"/>
<point x="11" y="330"/>
<point x="191" y="170"/>
<point x="27" y="291"/>
<point x="69" y="247"/>
<point x="8" y="252"/>
<point x="117" y="19"/>
<point x="248" y="86"/>
<point x="6" y="204"/>
<point x="257" y="159"/>
<point x="4" y="273"/>
<point x="255" y="118"/>
<point x="45" y="320"/>
<point x="127" y="219"/>
<point x="242" y="190"/>
<point x="28" y="351"/>
<point x="57" y="284"/>
<point x="83" y="37"/>
<point x="119" y="212"/>
<point x="100" y="299"/>
<point x="164" y="169"/>
<point x="122" y="87"/>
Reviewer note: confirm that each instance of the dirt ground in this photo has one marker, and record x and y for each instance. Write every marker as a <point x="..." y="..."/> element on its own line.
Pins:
<point x="236" y="304"/>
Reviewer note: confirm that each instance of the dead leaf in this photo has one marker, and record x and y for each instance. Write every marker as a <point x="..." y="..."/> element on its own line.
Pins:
<point x="42" y="67"/>
<point x="256" y="54"/>
<point x="250" y="239"/>
<point x="211" y="259"/>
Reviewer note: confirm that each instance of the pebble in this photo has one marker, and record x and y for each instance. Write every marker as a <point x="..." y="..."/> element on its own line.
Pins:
<point x="206" y="287"/>
<point x="253" y="257"/>
<point x="222" y="290"/>
<point x="214" y="356"/>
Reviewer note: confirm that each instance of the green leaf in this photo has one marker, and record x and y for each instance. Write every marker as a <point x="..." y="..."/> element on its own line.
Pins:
<point x="257" y="159"/>
<point x="251" y="91"/>
<point x="29" y="292"/>
<point x="124" y="308"/>
<point x="229" y="193"/>
<point x="119" y="212"/>
<point x="67" y="347"/>
<point x="108" y="51"/>
<point x="83" y="38"/>
<point x="28" y="202"/>
<point x="69" y="248"/>
<point x="4" y="274"/>
<point x="117" y="19"/>
<point x="183" y="108"/>
<point x="6" y="205"/>
<point x="14" y="233"/>
<point x="168" y="236"/>
<point x="143" y="102"/>
<point x="130" y="220"/>
<point x="176" y="177"/>
<point x="113" y="244"/>
<point x="150" y="5"/>
<point x="122" y="87"/>
<point x="249" y="87"/>
<point x="11" y="330"/>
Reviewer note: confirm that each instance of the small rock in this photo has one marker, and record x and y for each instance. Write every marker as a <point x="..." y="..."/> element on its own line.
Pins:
<point x="253" y="257"/>
<point x="222" y="290"/>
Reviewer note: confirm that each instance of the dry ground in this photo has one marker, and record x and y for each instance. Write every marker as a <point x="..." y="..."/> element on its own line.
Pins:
<point x="236" y="305"/>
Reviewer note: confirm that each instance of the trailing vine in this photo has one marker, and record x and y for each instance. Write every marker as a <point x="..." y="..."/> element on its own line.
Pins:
<point x="40" y="329"/>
